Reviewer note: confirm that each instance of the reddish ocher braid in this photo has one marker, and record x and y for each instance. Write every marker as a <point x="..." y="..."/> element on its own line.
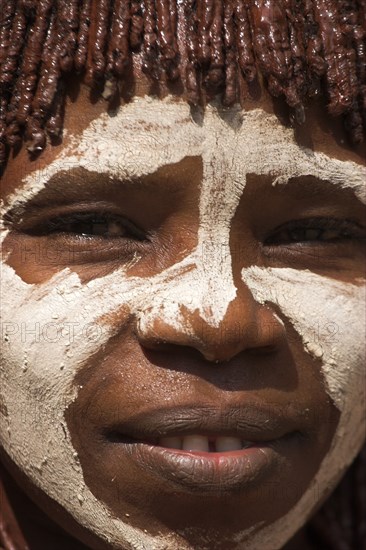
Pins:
<point x="300" y="47"/>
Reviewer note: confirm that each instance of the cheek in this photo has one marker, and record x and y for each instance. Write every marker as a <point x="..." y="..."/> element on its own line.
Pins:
<point x="50" y="332"/>
<point x="330" y="317"/>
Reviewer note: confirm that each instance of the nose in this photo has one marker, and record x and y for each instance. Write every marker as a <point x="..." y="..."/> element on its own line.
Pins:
<point x="246" y="325"/>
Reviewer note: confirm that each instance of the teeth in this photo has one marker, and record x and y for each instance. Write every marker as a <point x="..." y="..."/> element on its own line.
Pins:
<point x="202" y="443"/>
<point x="228" y="444"/>
<point x="195" y="443"/>
<point x="171" y="442"/>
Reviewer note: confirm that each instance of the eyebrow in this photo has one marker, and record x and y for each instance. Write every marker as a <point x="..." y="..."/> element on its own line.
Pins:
<point x="84" y="185"/>
<point x="70" y="184"/>
<point x="318" y="188"/>
<point x="345" y="176"/>
<point x="305" y="191"/>
<point x="78" y="184"/>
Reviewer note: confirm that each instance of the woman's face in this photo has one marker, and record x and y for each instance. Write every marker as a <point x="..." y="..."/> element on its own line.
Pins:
<point x="183" y="299"/>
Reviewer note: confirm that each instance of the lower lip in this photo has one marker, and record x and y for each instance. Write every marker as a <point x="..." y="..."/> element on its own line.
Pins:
<point x="216" y="472"/>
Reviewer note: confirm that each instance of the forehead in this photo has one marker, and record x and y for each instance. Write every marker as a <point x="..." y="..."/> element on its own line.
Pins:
<point x="170" y="128"/>
<point x="148" y="134"/>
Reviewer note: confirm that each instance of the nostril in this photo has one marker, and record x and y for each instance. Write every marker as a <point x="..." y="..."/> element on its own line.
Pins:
<point x="243" y="327"/>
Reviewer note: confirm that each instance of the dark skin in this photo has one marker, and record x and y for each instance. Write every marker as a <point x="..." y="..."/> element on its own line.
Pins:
<point x="176" y="364"/>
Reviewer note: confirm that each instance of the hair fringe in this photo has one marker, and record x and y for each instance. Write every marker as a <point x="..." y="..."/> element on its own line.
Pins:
<point x="301" y="48"/>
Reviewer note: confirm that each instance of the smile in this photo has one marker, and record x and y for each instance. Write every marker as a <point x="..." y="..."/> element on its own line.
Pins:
<point x="215" y="453"/>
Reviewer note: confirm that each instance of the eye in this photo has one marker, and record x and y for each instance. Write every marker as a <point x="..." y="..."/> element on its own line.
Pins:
<point x="100" y="225"/>
<point x="316" y="230"/>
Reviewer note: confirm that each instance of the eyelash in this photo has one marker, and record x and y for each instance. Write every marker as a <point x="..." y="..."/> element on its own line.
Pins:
<point x="315" y="230"/>
<point x="310" y="230"/>
<point x="90" y="226"/>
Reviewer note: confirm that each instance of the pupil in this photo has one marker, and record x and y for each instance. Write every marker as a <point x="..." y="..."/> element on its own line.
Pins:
<point x="99" y="228"/>
<point x="95" y="227"/>
<point x="297" y="234"/>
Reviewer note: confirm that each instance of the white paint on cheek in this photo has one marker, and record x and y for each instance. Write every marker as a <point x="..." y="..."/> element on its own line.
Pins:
<point x="33" y="430"/>
<point x="135" y="143"/>
<point x="330" y="317"/>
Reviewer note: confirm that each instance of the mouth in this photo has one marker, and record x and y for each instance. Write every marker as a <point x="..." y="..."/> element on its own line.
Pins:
<point x="199" y="444"/>
<point x="207" y="450"/>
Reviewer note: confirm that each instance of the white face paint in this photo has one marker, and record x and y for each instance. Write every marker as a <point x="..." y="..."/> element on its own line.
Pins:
<point x="337" y="312"/>
<point x="40" y="368"/>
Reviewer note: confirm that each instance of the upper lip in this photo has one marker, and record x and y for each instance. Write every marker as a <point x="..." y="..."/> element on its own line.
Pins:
<point x="250" y="422"/>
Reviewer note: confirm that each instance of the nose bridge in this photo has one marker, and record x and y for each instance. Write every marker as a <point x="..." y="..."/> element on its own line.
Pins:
<point x="220" y="195"/>
<point x="203" y="288"/>
<point x="198" y="292"/>
<point x="215" y="278"/>
<point x="193" y="292"/>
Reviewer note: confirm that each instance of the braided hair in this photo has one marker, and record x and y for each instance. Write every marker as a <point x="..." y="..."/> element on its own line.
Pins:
<point x="301" y="48"/>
